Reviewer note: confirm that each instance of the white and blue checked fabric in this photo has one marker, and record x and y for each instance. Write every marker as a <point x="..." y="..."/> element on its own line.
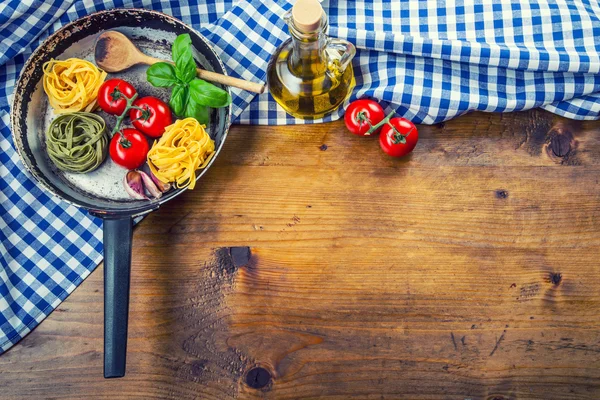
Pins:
<point x="429" y="60"/>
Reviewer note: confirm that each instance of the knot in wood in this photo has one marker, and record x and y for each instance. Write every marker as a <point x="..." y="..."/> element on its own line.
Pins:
<point x="240" y="256"/>
<point x="258" y="378"/>
<point x="555" y="278"/>
<point x="561" y="143"/>
<point x="501" y="194"/>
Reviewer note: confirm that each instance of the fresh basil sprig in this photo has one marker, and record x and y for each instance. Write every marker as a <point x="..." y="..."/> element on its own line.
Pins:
<point x="162" y="74"/>
<point x="178" y="101"/>
<point x="190" y="96"/>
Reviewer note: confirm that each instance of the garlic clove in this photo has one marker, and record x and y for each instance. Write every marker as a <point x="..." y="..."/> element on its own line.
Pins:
<point x="163" y="187"/>
<point x="134" y="187"/>
<point x="150" y="185"/>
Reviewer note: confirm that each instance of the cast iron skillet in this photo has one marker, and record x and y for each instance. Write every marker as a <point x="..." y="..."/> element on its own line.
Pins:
<point x="101" y="191"/>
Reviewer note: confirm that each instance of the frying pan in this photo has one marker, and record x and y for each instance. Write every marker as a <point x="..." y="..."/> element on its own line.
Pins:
<point x="101" y="192"/>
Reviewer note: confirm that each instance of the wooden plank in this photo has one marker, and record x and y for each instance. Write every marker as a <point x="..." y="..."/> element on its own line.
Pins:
<point x="478" y="139"/>
<point x="514" y="323"/>
<point x="460" y="274"/>
<point x="510" y="207"/>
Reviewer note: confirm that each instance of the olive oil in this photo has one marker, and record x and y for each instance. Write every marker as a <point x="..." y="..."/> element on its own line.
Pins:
<point x="308" y="97"/>
<point x="310" y="74"/>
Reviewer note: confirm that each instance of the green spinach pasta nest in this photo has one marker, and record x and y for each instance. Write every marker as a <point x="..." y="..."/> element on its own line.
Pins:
<point x="77" y="142"/>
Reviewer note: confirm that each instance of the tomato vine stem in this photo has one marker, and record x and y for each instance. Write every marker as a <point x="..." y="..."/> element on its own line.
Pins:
<point x="361" y="118"/>
<point x="398" y="137"/>
<point x="121" y="117"/>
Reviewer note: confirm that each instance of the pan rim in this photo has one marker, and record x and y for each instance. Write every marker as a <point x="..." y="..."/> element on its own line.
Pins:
<point x="18" y="143"/>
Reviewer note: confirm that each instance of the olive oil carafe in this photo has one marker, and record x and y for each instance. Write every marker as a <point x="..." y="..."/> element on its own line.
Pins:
<point x="310" y="74"/>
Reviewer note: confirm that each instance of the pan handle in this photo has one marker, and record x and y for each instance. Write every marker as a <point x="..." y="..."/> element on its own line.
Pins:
<point x="117" y="263"/>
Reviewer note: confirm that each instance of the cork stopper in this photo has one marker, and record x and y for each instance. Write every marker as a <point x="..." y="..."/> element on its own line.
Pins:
<point x="307" y="15"/>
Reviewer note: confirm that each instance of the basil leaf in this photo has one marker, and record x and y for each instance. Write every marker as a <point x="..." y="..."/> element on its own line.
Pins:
<point x="178" y="101"/>
<point x="161" y="74"/>
<point x="197" y="111"/>
<point x="185" y="66"/>
<point x="207" y="94"/>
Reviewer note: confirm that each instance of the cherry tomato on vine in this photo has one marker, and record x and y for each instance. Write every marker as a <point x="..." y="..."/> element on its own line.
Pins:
<point x="153" y="118"/>
<point x="398" y="137"/>
<point x="112" y="93"/>
<point x="361" y="115"/>
<point x="129" y="148"/>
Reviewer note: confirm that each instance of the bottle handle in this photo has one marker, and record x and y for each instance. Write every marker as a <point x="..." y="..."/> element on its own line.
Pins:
<point x="287" y="17"/>
<point x="345" y="47"/>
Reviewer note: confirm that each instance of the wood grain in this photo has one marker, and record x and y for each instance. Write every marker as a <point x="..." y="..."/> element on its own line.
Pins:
<point x="297" y="270"/>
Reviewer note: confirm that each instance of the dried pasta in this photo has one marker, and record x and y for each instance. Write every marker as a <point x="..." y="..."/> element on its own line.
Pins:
<point x="72" y="85"/>
<point x="77" y="142"/>
<point x="184" y="148"/>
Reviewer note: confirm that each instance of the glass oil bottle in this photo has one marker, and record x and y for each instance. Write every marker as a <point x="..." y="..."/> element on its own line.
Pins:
<point x="310" y="74"/>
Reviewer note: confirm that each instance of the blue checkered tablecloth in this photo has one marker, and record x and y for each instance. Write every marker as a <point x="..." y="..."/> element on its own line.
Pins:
<point x="429" y="60"/>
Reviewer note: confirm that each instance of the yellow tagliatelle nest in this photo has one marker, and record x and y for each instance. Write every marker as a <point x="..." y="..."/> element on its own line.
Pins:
<point x="184" y="148"/>
<point x="72" y="85"/>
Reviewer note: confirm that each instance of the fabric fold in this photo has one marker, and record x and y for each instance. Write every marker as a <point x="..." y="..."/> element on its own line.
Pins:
<point x="526" y="57"/>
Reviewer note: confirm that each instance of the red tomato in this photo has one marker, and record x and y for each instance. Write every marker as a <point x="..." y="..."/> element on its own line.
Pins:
<point x="362" y="112"/>
<point x="130" y="149"/>
<point x="112" y="93"/>
<point x="402" y="140"/>
<point x="153" y="117"/>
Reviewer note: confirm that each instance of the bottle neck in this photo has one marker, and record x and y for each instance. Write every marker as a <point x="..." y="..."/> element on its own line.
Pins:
<point x="308" y="58"/>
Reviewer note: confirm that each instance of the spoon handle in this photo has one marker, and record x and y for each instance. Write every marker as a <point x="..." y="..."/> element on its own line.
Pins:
<point x="217" y="78"/>
<point x="230" y="81"/>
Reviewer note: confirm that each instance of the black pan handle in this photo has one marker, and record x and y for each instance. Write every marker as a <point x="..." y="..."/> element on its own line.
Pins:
<point x="117" y="264"/>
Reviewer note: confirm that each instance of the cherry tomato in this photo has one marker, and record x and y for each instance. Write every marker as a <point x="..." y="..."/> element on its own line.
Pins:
<point x="362" y="112"/>
<point x="112" y="93"/>
<point x="402" y="140"/>
<point x="154" y="118"/>
<point x="130" y="149"/>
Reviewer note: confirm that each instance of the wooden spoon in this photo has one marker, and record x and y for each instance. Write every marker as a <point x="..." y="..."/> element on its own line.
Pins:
<point x="114" y="52"/>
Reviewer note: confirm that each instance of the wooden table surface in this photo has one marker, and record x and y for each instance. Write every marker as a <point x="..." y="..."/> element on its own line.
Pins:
<point x="307" y="264"/>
